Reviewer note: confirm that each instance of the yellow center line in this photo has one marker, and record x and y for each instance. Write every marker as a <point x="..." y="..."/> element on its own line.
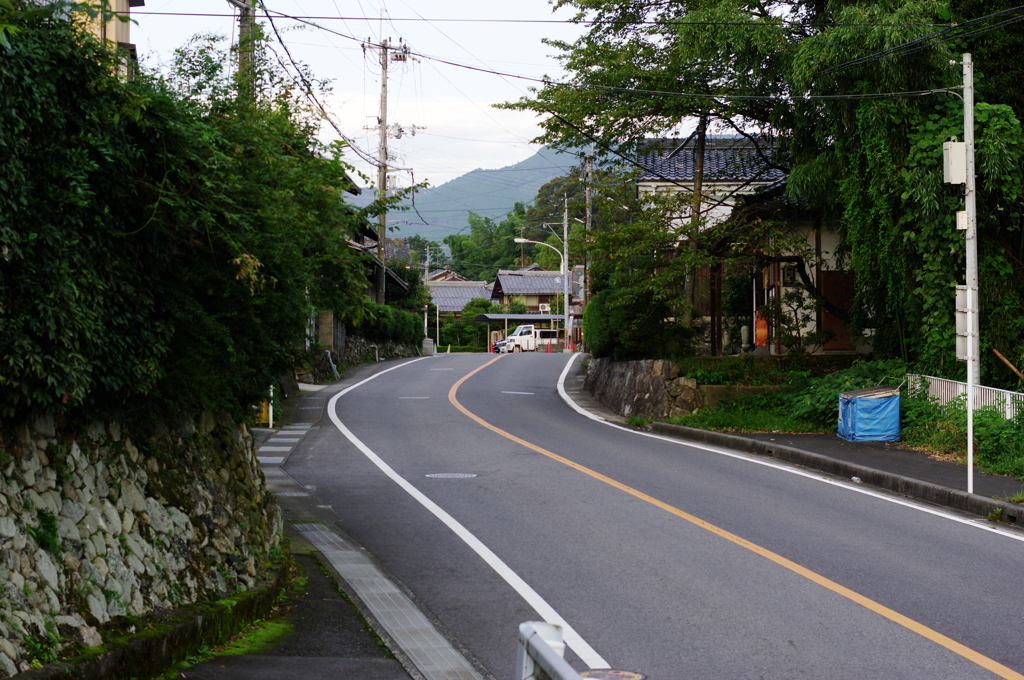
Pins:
<point x="894" y="616"/>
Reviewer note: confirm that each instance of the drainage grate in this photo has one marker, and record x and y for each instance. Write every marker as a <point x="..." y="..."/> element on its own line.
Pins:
<point x="451" y="475"/>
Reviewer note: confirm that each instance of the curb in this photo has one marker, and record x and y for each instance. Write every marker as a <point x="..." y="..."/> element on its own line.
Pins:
<point x="182" y="633"/>
<point x="974" y="504"/>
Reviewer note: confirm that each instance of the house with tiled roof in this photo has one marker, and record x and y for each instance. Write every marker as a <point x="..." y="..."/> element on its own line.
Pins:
<point x="531" y="286"/>
<point x="733" y="167"/>
<point x="736" y="168"/>
<point x="452" y="295"/>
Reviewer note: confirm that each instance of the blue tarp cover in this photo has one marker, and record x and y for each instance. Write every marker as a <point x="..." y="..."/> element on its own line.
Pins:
<point x="869" y="418"/>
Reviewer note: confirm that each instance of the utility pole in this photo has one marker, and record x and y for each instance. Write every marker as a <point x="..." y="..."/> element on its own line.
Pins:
<point x="387" y="53"/>
<point x="958" y="168"/>
<point x="246" y="46"/>
<point x="565" y="271"/>
<point x="589" y="170"/>
<point x="382" y="171"/>
<point x="973" y="327"/>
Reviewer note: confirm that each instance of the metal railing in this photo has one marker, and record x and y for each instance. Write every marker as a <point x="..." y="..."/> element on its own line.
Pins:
<point x="945" y="391"/>
<point x="539" y="656"/>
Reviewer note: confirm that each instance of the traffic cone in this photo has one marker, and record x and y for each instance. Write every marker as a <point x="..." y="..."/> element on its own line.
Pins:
<point x="549" y="348"/>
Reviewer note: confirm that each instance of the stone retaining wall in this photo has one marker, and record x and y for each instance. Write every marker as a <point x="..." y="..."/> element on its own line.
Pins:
<point x="97" y="524"/>
<point x="653" y="388"/>
<point x="649" y="389"/>
<point x="357" y="351"/>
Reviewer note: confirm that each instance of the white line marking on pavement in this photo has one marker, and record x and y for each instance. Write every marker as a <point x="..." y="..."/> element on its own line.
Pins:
<point x="505" y="392"/>
<point x="274" y="448"/>
<point x="573" y="639"/>
<point x="283" y="440"/>
<point x="264" y="460"/>
<point x="753" y="458"/>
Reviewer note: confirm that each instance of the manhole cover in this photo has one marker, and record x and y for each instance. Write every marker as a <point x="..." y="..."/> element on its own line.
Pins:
<point x="612" y="675"/>
<point x="451" y="475"/>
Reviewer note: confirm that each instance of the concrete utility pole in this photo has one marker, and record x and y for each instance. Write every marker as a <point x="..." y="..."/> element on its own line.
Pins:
<point x="387" y="53"/>
<point x="973" y="327"/>
<point x="246" y="47"/>
<point x="958" y="168"/>
<point x="382" y="171"/>
<point x="589" y="176"/>
<point x="565" y="272"/>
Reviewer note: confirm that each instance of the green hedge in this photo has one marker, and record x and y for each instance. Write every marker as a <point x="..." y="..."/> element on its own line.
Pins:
<point x="163" y="240"/>
<point x="388" y="324"/>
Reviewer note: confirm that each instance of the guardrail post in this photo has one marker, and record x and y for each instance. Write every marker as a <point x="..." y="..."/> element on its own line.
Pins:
<point x="539" y="656"/>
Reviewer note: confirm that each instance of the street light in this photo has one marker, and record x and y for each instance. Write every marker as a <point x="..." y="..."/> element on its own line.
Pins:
<point x="565" y="281"/>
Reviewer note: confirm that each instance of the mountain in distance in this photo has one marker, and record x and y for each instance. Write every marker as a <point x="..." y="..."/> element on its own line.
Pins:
<point x="443" y="210"/>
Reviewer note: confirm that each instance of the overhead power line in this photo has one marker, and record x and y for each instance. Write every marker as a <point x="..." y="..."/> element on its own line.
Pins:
<point x="585" y="22"/>
<point x="949" y="33"/>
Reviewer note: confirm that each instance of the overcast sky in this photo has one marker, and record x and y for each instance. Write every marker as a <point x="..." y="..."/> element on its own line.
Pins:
<point x="463" y="132"/>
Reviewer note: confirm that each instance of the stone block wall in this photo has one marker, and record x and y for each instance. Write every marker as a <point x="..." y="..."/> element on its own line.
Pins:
<point x="649" y="389"/>
<point x="97" y="524"/>
<point x="653" y="388"/>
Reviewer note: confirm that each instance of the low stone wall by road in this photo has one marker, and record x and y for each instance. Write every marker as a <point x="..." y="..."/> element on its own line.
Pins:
<point x="97" y="524"/>
<point x="649" y="389"/>
<point x="653" y="388"/>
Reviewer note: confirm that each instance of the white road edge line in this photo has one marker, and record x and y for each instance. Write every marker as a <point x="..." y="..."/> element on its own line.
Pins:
<point x="504" y="392"/>
<point x="751" y="458"/>
<point x="573" y="639"/>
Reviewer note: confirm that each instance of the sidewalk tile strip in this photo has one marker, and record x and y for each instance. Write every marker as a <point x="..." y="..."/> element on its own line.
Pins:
<point x="274" y="448"/>
<point x="426" y="647"/>
<point x="264" y="460"/>
<point x="283" y="440"/>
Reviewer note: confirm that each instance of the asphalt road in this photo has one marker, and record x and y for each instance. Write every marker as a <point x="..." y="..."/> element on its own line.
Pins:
<point x="663" y="558"/>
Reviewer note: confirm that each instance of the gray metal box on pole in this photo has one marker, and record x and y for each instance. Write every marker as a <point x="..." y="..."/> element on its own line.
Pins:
<point x="954" y="162"/>
<point x="963" y="330"/>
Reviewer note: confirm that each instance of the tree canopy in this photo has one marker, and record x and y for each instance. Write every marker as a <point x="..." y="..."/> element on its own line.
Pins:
<point x="164" y="240"/>
<point x="852" y="100"/>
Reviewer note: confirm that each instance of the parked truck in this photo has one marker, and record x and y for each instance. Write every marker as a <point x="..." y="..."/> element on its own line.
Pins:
<point x="529" y="338"/>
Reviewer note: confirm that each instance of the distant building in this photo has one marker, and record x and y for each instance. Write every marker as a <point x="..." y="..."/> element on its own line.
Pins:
<point x="445" y="274"/>
<point x="733" y="167"/>
<point x="534" y="287"/>
<point x="450" y="296"/>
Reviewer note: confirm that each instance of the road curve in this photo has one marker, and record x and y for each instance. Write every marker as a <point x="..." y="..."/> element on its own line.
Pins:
<point x="662" y="558"/>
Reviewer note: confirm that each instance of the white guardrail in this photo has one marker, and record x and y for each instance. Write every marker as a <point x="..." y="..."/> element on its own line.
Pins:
<point x="945" y="391"/>
<point x="540" y="653"/>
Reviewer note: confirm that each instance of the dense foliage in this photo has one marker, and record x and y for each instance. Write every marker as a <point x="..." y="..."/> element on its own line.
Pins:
<point x="165" y="239"/>
<point x="868" y="168"/>
<point x="382" y="323"/>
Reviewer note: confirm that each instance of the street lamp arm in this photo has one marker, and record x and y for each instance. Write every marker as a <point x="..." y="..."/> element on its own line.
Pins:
<point x="541" y="243"/>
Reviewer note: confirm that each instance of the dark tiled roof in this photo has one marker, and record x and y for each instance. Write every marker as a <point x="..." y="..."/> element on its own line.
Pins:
<point x="452" y="296"/>
<point x="528" y="282"/>
<point x="724" y="160"/>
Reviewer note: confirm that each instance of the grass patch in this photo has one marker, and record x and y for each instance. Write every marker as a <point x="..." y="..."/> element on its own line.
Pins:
<point x="942" y="430"/>
<point x="760" y="370"/>
<point x="764" y="412"/>
<point x="257" y="637"/>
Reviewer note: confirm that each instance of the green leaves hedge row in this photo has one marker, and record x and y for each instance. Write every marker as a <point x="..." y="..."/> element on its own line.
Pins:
<point x="162" y="242"/>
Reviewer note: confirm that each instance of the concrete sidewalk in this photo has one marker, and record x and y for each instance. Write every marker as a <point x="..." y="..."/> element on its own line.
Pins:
<point x="354" y="621"/>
